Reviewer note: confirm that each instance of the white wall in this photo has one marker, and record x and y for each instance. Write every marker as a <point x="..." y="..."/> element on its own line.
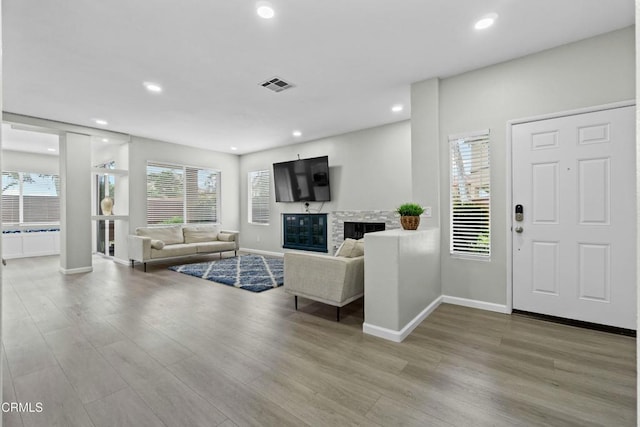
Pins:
<point x="590" y="72"/>
<point x="637" y="197"/>
<point x="142" y="150"/>
<point x="18" y="161"/>
<point x="369" y="170"/>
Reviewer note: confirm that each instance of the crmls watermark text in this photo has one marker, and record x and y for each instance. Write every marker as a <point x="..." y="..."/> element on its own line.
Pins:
<point x="22" y="407"/>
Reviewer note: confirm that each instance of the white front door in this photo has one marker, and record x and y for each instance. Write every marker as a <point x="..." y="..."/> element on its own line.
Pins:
<point x="574" y="249"/>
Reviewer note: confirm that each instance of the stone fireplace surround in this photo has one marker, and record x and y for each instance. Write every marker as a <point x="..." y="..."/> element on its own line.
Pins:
<point x="338" y="218"/>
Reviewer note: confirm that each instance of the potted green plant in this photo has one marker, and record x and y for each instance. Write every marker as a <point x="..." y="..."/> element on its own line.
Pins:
<point x="410" y="215"/>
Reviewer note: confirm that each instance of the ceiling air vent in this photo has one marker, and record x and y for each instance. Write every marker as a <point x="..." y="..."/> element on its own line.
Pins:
<point x="276" y="84"/>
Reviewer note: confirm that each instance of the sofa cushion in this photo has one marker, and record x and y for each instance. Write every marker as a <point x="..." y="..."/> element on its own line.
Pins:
<point x="200" y="233"/>
<point x="179" y="249"/>
<point x="206" y="247"/>
<point x="170" y="235"/>
<point x="226" y="237"/>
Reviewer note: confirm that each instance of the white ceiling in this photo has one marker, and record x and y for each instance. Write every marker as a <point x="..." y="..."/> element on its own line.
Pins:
<point x="77" y="60"/>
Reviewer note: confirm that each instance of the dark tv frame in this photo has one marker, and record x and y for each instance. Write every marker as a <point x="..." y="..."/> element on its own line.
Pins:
<point x="307" y="179"/>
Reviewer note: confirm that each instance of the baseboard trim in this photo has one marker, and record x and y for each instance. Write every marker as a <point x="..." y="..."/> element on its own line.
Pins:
<point x="399" y="336"/>
<point x="76" y="270"/>
<point x="33" y="255"/>
<point x="261" y="252"/>
<point x="121" y="261"/>
<point x="482" y="305"/>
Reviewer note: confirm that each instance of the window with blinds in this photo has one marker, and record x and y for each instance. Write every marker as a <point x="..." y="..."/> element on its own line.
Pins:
<point x="182" y="194"/>
<point x="259" y="182"/>
<point x="30" y="198"/>
<point x="470" y="195"/>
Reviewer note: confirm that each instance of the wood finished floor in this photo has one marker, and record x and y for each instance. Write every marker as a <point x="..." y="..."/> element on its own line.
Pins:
<point x="118" y="347"/>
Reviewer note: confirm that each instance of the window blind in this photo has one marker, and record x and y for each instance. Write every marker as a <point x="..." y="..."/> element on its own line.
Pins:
<point x="182" y="194"/>
<point x="202" y="195"/>
<point x="40" y="198"/>
<point x="259" y="182"/>
<point x="30" y="198"/>
<point x="470" y="195"/>
<point x="10" y="197"/>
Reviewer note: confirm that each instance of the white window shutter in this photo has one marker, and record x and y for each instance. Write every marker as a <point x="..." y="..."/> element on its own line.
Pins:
<point x="30" y="198"/>
<point x="470" y="195"/>
<point x="259" y="186"/>
<point x="182" y="194"/>
<point x="202" y="195"/>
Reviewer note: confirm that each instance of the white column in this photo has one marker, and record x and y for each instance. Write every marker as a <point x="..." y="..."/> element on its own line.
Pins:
<point x="75" y="203"/>
<point x="121" y="205"/>
<point x="425" y="148"/>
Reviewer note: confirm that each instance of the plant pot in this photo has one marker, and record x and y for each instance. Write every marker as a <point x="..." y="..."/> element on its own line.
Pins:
<point x="106" y="205"/>
<point x="410" y="222"/>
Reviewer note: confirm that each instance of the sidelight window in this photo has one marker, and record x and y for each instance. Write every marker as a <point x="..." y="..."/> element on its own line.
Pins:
<point x="470" y="195"/>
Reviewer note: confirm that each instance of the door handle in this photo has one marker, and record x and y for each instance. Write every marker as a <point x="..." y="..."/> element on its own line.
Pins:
<point x="519" y="229"/>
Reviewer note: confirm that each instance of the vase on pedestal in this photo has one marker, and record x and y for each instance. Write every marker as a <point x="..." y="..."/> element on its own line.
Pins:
<point x="106" y="205"/>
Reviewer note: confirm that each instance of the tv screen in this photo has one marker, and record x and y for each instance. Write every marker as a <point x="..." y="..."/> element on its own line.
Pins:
<point x="304" y="180"/>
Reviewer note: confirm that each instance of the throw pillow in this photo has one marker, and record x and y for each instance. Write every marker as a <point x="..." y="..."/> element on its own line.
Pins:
<point x="358" y="249"/>
<point x="346" y="248"/>
<point x="226" y="237"/>
<point x="157" y="244"/>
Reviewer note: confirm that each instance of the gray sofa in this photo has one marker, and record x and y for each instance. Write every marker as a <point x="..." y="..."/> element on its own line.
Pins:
<point x="334" y="280"/>
<point x="161" y="243"/>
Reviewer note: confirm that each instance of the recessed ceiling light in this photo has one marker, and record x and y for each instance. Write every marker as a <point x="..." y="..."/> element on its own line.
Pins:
<point x="397" y="108"/>
<point x="53" y="150"/>
<point x="486" y="21"/>
<point x="265" y="10"/>
<point x="101" y="122"/>
<point x="105" y="140"/>
<point x="234" y="148"/>
<point x="296" y="133"/>
<point x="153" y="87"/>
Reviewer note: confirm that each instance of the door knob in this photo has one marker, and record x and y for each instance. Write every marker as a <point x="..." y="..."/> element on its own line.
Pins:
<point x="519" y="229"/>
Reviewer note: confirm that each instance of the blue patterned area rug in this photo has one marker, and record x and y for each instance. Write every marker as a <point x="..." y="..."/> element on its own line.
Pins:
<point x="254" y="273"/>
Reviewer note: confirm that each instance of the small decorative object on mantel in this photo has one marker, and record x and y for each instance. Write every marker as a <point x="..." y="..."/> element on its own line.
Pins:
<point x="106" y="205"/>
<point x="410" y="215"/>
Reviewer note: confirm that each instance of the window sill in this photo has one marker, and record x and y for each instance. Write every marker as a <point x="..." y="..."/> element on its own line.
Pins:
<point x="470" y="257"/>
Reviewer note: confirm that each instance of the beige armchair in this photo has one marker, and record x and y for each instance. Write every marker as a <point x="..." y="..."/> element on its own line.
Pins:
<point x="331" y="280"/>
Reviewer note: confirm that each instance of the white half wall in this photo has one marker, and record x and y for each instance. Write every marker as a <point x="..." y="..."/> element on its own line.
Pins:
<point x="368" y="170"/>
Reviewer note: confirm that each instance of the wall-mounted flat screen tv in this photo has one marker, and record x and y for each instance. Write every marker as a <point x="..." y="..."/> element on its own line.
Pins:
<point x="304" y="180"/>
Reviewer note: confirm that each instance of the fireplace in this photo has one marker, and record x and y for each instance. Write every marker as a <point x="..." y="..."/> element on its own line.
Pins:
<point x="357" y="230"/>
